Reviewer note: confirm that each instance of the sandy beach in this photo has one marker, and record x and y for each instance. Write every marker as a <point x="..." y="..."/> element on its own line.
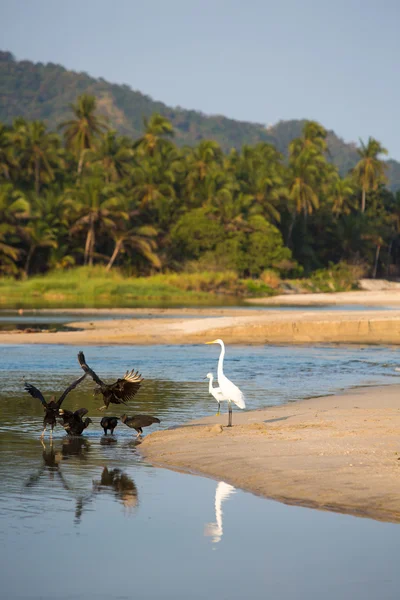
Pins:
<point x="338" y="453"/>
<point x="235" y="326"/>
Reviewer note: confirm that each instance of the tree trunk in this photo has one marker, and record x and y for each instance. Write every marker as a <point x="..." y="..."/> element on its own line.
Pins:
<point x="91" y="249"/>
<point x="80" y="163"/>
<point x="117" y="249"/>
<point x="378" y="249"/>
<point x="363" y="200"/>
<point x="28" y="259"/>
<point x="389" y="258"/>
<point x="37" y="175"/>
<point x="87" y="245"/>
<point x="289" y="235"/>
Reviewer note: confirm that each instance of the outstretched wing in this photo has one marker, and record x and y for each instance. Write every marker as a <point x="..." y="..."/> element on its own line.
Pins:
<point x="81" y="412"/>
<point x="87" y="369"/>
<point x="126" y="388"/>
<point x="69" y="389"/>
<point x="35" y="393"/>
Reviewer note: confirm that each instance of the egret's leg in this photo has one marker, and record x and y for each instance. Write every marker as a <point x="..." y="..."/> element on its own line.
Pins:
<point x="219" y="409"/>
<point x="230" y="414"/>
<point x="43" y="432"/>
<point x="51" y="432"/>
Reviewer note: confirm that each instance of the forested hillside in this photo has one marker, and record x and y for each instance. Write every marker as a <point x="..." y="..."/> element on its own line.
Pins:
<point x="45" y="91"/>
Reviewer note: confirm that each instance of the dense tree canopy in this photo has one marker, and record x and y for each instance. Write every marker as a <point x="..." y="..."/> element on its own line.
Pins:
<point x="93" y="196"/>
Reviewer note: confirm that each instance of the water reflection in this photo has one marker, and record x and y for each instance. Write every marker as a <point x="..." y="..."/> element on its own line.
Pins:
<point x="75" y="446"/>
<point x="50" y="467"/>
<point x="122" y="486"/>
<point x="215" y="530"/>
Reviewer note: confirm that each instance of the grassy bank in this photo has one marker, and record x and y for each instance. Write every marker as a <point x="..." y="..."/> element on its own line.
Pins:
<point x="93" y="287"/>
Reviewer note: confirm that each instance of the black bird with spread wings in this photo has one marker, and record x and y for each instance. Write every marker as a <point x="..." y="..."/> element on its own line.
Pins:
<point x="118" y="392"/>
<point x="52" y="407"/>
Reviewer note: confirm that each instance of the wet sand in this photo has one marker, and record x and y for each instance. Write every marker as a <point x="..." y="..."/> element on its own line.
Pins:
<point x="235" y="326"/>
<point x="338" y="453"/>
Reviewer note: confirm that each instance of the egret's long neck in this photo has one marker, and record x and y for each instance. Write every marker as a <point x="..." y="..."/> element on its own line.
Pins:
<point x="221" y="361"/>
<point x="210" y="385"/>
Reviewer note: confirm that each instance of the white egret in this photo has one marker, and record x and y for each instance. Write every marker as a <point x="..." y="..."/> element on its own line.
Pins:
<point x="228" y="389"/>
<point x="215" y="391"/>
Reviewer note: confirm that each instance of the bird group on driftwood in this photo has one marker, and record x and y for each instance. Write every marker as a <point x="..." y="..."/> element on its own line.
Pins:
<point x="118" y="392"/>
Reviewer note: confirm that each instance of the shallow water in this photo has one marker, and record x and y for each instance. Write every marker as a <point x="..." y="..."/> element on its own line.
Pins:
<point x="86" y="518"/>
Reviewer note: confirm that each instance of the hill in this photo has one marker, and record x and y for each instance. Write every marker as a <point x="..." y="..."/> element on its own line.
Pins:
<point x="44" y="91"/>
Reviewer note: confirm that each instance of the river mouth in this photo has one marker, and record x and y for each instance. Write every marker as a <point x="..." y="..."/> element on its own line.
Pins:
<point x="96" y="506"/>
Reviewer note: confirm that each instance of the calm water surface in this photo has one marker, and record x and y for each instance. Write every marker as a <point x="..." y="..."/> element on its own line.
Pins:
<point x="87" y="518"/>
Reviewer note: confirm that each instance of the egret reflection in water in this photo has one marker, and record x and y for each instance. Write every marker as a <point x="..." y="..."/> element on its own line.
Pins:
<point x="215" y="530"/>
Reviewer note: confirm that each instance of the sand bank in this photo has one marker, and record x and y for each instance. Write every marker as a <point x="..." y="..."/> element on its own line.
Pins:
<point x="235" y="326"/>
<point x="339" y="453"/>
<point x="389" y="297"/>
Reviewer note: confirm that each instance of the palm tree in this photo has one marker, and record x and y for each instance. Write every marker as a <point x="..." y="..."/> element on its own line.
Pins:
<point x="94" y="208"/>
<point x="156" y="127"/>
<point x="39" y="234"/>
<point x="140" y="238"/>
<point x="314" y="136"/>
<point x="151" y="187"/>
<point x="202" y="159"/>
<point x="114" y="155"/>
<point x="305" y="173"/>
<point x="6" y="158"/>
<point x="47" y="224"/>
<point x="261" y="176"/>
<point x="83" y="131"/>
<point x="341" y="193"/>
<point x="14" y="208"/>
<point x="39" y="152"/>
<point x="370" y="170"/>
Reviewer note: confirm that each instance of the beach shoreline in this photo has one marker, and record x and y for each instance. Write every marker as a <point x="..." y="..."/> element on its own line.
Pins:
<point x="339" y="453"/>
<point x="234" y="325"/>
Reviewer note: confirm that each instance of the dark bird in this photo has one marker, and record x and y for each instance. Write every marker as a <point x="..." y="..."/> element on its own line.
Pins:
<point x="139" y="421"/>
<point x="53" y="406"/>
<point x="109" y="423"/>
<point x="73" y="422"/>
<point x="118" y="392"/>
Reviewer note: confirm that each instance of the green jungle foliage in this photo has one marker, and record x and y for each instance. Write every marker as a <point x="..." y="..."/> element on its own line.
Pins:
<point x="88" y="196"/>
<point x="45" y="91"/>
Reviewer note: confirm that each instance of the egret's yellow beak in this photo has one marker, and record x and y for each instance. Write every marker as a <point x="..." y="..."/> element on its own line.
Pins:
<point x="213" y="342"/>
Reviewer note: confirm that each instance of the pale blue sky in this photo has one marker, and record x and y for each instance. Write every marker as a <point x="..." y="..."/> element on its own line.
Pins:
<point x="255" y="60"/>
